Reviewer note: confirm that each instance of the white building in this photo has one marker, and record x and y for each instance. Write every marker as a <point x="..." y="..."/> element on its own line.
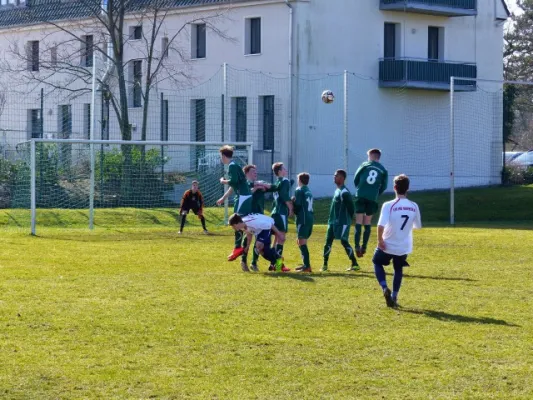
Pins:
<point x="399" y="55"/>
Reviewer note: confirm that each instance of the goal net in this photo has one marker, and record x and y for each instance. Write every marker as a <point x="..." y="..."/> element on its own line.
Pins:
<point x="111" y="183"/>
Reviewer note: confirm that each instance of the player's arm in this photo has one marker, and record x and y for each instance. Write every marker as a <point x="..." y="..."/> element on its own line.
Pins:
<point x="417" y="224"/>
<point x="384" y="182"/>
<point x="226" y="195"/>
<point x="383" y="220"/>
<point x="184" y="199"/>
<point x="297" y="201"/>
<point x="357" y="176"/>
<point x="348" y="202"/>
<point x="249" y="237"/>
<point x="233" y="176"/>
<point x="284" y="196"/>
<point x="200" y="200"/>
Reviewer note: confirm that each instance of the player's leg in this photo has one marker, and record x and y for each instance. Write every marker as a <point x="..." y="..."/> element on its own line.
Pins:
<point x="370" y="210"/>
<point x="280" y="221"/>
<point x="359" y="215"/>
<point x="343" y="233"/>
<point x="244" y="258"/>
<point x="200" y="214"/>
<point x="398" y="263"/>
<point x="241" y="205"/>
<point x="263" y="242"/>
<point x="304" y="232"/>
<point x="255" y="257"/>
<point x="183" y="213"/>
<point x="330" y="236"/>
<point x="380" y="259"/>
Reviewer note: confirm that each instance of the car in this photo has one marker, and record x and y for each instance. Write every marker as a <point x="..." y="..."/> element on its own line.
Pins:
<point x="524" y="160"/>
<point x="509" y="156"/>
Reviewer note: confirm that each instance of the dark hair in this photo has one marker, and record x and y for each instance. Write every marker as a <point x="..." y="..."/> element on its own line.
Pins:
<point x="276" y="167"/>
<point x="341" y="172"/>
<point x="376" y="152"/>
<point x="248" y="167"/>
<point x="226" y="151"/>
<point x="235" y="219"/>
<point x="304" y="178"/>
<point x="401" y="184"/>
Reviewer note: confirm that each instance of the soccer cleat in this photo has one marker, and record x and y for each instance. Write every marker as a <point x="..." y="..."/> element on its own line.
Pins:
<point x="305" y="270"/>
<point x="299" y="267"/>
<point x="236" y="253"/>
<point x="354" y="268"/>
<point x="179" y="232"/>
<point x="254" y="268"/>
<point x="271" y="267"/>
<point x="388" y="297"/>
<point x="359" y="252"/>
<point x="244" y="267"/>
<point x="285" y="269"/>
<point x="206" y="232"/>
<point x="363" y="251"/>
<point x="395" y="303"/>
<point x="325" y="268"/>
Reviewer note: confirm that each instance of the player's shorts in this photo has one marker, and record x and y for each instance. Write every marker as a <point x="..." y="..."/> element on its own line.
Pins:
<point x="382" y="258"/>
<point x="243" y="205"/>
<point x="365" y="206"/>
<point x="339" y="232"/>
<point x="280" y="222"/>
<point x="304" y="230"/>
<point x="195" y="210"/>
<point x="264" y="237"/>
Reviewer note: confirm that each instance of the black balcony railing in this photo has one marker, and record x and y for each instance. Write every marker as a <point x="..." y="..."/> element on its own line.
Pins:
<point x="426" y="74"/>
<point x="436" y="7"/>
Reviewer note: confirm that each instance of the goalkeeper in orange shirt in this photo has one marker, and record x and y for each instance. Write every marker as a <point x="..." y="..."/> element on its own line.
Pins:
<point x="192" y="200"/>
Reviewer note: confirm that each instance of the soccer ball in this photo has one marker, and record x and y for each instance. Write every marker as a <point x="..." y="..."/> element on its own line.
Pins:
<point x="328" y="96"/>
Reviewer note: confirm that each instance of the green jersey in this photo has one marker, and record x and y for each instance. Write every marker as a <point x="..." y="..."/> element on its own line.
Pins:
<point x="303" y="206"/>
<point x="370" y="180"/>
<point x="258" y="200"/>
<point x="342" y="208"/>
<point x="237" y="180"/>
<point x="281" y="196"/>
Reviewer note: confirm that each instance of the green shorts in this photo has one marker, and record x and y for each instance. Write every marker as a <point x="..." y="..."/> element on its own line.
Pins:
<point x="339" y="232"/>
<point x="243" y="205"/>
<point x="305" y="230"/>
<point x="365" y="206"/>
<point x="280" y="222"/>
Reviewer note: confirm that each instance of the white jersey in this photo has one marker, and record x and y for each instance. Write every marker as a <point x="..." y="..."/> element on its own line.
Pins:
<point x="256" y="223"/>
<point x="399" y="217"/>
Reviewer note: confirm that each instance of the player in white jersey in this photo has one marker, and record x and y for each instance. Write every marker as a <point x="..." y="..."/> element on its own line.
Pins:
<point x="262" y="227"/>
<point x="396" y="222"/>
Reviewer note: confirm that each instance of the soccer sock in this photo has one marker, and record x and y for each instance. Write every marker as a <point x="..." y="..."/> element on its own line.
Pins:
<point x="357" y="234"/>
<point x="245" y="255"/>
<point x="349" y="251"/>
<point x="327" y="251"/>
<point x="202" y="219"/>
<point x="255" y="256"/>
<point x="238" y="239"/>
<point x="397" y="280"/>
<point x="279" y="249"/>
<point x="395" y="296"/>
<point x="305" y="255"/>
<point x="380" y="275"/>
<point x="366" y="235"/>
<point x="183" y="218"/>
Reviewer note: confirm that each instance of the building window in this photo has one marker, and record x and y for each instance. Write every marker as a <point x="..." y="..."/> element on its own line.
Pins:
<point x="240" y="119"/>
<point x="435" y="43"/>
<point x="34" y="124"/>
<point x="136" y="32"/>
<point x="53" y="56"/>
<point x="87" y="51"/>
<point x="268" y="123"/>
<point x="164" y="120"/>
<point x="87" y="120"/>
<point x="253" y="36"/>
<point x="198" y="41"/>
<point x="136" y="82"/>
<point x="391" y="41"/>
<point x="32" y="51"/>
<point x="164" y="47"/>
<point x="64" y="121"/>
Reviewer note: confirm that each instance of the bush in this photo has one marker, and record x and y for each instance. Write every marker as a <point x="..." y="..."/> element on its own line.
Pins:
<point x="514" y="175"/>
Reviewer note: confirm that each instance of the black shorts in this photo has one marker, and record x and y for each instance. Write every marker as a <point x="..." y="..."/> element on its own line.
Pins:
<point x="264" y="237"/>
<point x="382" y="258"/>
<point x="195" y="210"/>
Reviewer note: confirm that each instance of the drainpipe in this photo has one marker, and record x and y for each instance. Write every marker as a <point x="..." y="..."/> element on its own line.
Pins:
<point x="291" y="157"/>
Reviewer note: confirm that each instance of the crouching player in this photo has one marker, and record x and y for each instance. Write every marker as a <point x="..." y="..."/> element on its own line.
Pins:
<point x="262" y="227"/>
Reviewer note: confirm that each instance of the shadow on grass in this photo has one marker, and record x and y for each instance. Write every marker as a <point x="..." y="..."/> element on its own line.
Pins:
<point x="437" y="278"/>
<point x="117" y="235"/>
<point x="446" y="317"/>
<point x="304" y="277"/>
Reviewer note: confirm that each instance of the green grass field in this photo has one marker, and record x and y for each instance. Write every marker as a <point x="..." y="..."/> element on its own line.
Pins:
<point x="136" y="312"/>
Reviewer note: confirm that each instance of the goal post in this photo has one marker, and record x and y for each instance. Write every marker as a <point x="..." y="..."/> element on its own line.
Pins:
<point x="105" y="174"/>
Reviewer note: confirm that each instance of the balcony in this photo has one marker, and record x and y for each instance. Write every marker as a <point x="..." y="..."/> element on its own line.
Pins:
<point x="448" y="8"/>
<point x="424" y="74"/>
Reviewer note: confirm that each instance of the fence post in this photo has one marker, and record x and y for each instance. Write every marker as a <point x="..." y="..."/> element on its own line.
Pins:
<point x="452" y="152"/>
<point x="91" y="146"/>
<point x="346" y="138"/>
<point x="33" y="201"/>
<point x="162" y="137"/>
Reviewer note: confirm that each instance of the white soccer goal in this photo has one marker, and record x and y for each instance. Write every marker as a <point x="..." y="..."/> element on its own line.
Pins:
<point x="99" y="174"/>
